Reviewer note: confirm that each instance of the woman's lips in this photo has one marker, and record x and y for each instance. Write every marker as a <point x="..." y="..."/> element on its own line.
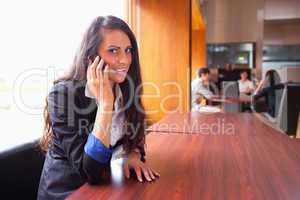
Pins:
<point x="120" y="71"/>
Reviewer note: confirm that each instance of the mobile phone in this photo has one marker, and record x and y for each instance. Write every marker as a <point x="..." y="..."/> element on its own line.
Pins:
<point x="92" y="58"/>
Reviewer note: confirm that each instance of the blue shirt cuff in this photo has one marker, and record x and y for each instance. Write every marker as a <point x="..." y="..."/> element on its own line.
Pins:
<point x="97" y="150"/>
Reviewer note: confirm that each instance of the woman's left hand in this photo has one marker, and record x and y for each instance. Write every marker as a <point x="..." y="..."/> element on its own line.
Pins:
<point x="133" y="162"/>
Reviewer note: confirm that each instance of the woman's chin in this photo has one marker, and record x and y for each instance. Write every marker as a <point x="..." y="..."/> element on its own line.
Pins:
<point x="118" y="79"/>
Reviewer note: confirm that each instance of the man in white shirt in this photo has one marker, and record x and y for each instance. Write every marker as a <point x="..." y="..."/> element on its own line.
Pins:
<point x="245" y="85"/>
<point x="200" y="88"/>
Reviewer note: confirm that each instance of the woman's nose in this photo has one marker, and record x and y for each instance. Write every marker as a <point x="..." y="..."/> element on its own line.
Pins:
<point x="123" y="59"/>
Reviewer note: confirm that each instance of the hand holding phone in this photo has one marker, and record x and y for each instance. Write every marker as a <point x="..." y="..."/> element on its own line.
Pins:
<point x="99" y="84"/>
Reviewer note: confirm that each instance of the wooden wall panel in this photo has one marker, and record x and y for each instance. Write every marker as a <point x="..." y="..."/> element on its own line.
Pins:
<point x="198" y="39"/>
<point x="282" y="32"/>
<point x="198" y="51"/>
<point x="232" y="20"/>
<point x="163" y="33"/>
<point x="236" y="21"/>
<point x="282" y="9"/>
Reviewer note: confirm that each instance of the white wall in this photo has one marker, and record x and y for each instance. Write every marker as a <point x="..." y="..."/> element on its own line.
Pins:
<point x="38" y="39"/>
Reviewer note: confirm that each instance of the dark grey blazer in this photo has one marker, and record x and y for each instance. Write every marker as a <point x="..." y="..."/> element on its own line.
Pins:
<point x="67" y="166"/>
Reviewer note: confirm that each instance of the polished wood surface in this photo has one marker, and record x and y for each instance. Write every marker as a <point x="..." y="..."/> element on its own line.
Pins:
<point x="298" y="127"/>
<point x="255" y="162"/>
<point x="196" y="122"/>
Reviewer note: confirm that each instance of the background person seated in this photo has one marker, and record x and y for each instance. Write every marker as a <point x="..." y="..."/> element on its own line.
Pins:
<point x="202" y="89"/>
<point x="245" y="85"/>
<point x="227" y="73"/>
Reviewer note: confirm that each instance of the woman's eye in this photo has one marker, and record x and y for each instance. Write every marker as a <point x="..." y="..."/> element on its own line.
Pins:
<point x="129" y="50"/>
<point x="114" y="51"/>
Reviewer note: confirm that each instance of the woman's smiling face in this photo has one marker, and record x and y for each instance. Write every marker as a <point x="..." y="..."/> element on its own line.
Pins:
<point x="115" y="49"/>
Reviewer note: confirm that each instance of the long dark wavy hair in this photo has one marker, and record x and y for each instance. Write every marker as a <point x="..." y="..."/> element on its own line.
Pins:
<point x="134" y="111"/>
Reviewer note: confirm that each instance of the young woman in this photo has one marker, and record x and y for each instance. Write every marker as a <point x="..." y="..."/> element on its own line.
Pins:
<point x="245" y="85"/>
<point x="95" y="111"/>
<point x="267" y="89"/>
